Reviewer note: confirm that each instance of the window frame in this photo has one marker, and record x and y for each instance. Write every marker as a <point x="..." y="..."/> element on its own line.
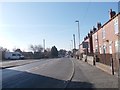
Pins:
<point x="116" y="26"/>
<point x="103" y="33"/>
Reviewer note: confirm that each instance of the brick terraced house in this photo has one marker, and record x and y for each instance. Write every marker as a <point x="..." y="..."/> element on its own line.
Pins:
<point x="104" y="41"/>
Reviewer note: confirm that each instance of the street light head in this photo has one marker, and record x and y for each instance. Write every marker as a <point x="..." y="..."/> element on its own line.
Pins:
<point x="76" y="21"/>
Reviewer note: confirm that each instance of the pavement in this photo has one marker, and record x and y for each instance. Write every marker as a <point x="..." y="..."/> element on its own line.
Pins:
<point x="105" y="68"/>
<point x="88" y="76"/>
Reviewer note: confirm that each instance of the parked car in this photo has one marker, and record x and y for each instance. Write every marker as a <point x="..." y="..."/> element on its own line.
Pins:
<point x="13" y="55"/>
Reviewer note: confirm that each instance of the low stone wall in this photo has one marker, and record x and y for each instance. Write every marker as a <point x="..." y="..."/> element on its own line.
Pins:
<point x="89" y="59"/>
<point x="99" y="65"/>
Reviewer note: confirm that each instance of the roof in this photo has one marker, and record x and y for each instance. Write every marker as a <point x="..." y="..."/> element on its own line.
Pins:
<point x="107" y="22"/>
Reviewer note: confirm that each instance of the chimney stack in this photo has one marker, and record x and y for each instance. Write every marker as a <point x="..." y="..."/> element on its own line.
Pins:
<point x="99" y="25"/>
<point x="111" y="13"/>
<point x="94" y="29"/>
<point x="84" y="38"/>
<point x="91" y="32"/>
<point x="88" y="34"/>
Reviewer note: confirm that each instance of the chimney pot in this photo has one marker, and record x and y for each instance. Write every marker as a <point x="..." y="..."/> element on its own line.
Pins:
<point x="84" y="38"/>
<point x="94" y="29"/>
<point x="91" y="32"/>
<point x="99" y="25"/>
<point x="112" y="13"/>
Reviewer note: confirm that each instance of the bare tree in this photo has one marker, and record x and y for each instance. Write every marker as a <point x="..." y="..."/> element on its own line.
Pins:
<point x="47" y="53"/>
<point x="2" y="52"/>
<point x="36" y="48"/>
<point x="48" y="49"/>
<point x="32" y="48"/>
<point x="62" y="52"/>
<point x="3" y="49"/>
<point x="14" y="49"/>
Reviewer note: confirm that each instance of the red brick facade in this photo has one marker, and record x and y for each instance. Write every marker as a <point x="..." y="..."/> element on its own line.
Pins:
<point x="105" y="41"/>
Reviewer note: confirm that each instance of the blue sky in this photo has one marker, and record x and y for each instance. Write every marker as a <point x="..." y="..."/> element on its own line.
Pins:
<point x="26" y="23"/>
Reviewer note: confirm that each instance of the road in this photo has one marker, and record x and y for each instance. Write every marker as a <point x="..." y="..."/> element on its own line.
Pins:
<point x="57" y="73"/>
<point x="53" y="73"/>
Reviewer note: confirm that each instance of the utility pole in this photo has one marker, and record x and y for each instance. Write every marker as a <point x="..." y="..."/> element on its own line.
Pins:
<point x="74" y="41"/>
<point x="71" y="44"/>
<point x="44" y="44"/>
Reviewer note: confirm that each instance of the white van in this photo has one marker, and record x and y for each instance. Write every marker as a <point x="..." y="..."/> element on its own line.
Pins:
<point x="13" y="55"/>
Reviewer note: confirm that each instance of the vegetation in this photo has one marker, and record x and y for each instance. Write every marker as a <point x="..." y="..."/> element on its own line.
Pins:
<point x="62" y="53"/>
<point x="37" y="52"/>
<point x="36" y="48"/>
<point x="2" y="51"/>
<point x="17" y="50"/>
<point x="54" y="52"/>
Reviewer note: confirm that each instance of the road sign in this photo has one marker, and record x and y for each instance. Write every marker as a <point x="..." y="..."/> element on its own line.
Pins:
<point x="85" y="45"/>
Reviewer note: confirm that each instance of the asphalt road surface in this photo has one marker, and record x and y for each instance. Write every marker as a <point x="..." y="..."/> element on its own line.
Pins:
<point x="57" y="73"/>
<point x="53" y="73"/>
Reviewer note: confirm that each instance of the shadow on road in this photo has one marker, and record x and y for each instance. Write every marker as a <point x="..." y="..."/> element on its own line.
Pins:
<point x="19" y="79"/>
<point x="80" y="85"/>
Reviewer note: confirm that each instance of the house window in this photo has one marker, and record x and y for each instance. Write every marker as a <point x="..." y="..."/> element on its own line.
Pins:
<point x="117" y="46"/>
<point x="96" y="38"/>
<point x="116" y="26"/>
<point x="110" y="49"/>
<point x="96" y="48"/>
<point x="103" y="33"/>
<point x="104" y="48"/>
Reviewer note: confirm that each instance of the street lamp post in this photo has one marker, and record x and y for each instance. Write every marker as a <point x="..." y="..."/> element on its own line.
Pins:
<point x="78" y="34"/>
<point x="44" y="44"/>
<point x="71" y="45"/>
